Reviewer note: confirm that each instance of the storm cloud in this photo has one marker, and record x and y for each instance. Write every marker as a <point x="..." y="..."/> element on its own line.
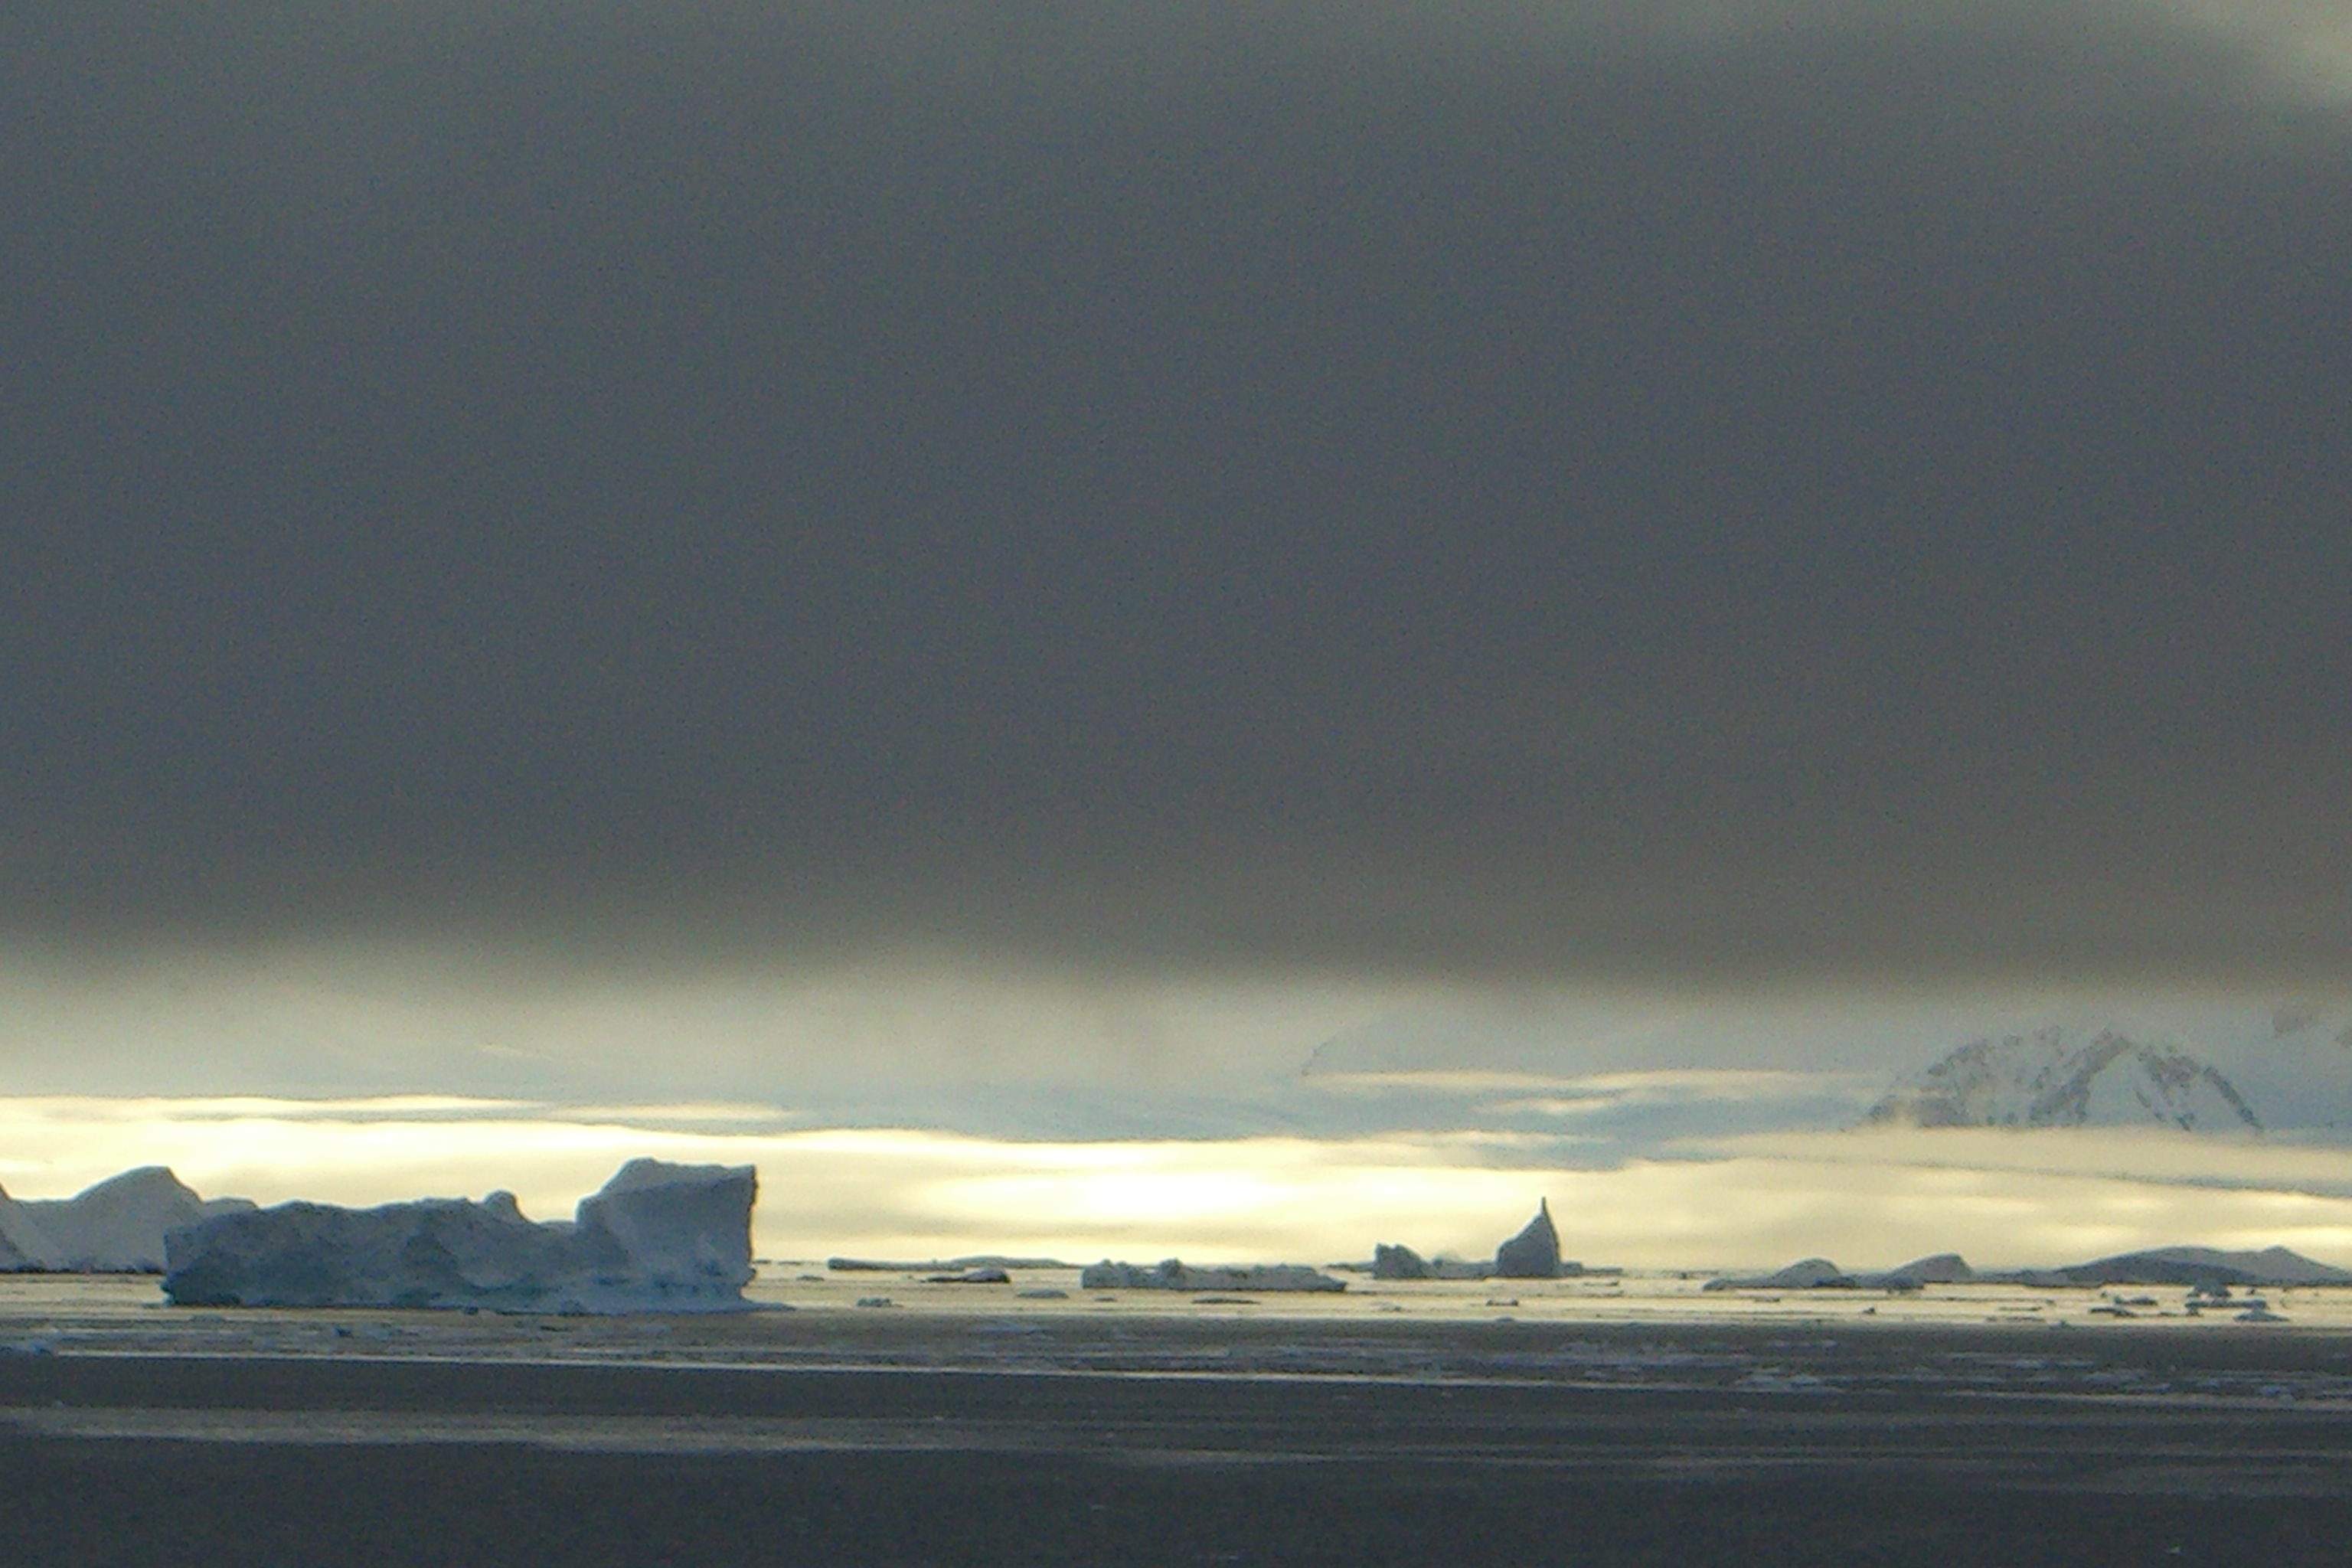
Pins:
<point x="1664" y="494"/>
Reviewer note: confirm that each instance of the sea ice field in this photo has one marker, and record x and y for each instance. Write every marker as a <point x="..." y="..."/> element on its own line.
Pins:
<point x="1600" y="1421"/>
<point x="806" y="1315"/>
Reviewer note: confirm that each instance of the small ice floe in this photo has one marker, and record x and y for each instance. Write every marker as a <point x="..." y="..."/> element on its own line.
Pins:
<point x="2111" y="1310"/>
<point x="2259" y="1314"/>
<point x="1774" y="1381"/>
<point x="1174" y="1274"/>
<point x="1223" y="1302"/>
<point x="32" y="1344"/>
<point x="1048" y="1294"/>
<point x="876" y="1301"/>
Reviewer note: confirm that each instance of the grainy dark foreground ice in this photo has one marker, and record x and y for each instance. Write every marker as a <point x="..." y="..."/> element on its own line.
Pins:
<point x="982" y="1437"/>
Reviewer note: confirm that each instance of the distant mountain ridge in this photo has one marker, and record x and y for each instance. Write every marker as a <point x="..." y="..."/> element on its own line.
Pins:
<point x="2207" y="1264"/>
<point x="2054" y="1077"/>
<point x="2203" y="1267"/>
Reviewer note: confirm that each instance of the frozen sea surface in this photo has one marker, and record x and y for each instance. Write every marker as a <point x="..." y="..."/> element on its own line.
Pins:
<point x="1634" y="1422"/>
<point x="1654" y="1331"/>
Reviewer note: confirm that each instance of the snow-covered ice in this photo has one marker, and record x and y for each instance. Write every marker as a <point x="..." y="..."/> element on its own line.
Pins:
<point x="657" y="1239"/>
<point x="1176" y="1275"/>
<point x="115" y="1227"/>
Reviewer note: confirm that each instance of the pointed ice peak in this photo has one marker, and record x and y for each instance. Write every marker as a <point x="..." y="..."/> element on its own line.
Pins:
<point x="1534" y="1253"/>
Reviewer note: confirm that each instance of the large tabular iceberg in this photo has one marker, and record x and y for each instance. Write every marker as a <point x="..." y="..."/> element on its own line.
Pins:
<point x="657" y="1239"/>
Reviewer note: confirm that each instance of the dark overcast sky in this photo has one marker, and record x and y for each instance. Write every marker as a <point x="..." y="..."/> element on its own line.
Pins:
<point x="1530" y="487"/>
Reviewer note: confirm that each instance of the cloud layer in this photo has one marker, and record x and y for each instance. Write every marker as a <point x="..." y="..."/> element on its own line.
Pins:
<point x="2000" y="1198"/>
<point x="1652" y="493"/>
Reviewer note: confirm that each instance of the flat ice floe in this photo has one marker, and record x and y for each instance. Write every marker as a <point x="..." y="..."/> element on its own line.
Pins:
<point x="1176" y="1275"/>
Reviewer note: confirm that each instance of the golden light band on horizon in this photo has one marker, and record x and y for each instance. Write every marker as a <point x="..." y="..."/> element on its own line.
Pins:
<point x="1873" y="1198"/>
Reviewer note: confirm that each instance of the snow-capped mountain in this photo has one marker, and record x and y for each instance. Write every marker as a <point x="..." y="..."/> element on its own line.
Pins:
<point x="1633" y="1079"/>
<point x="2059" y="1077"/>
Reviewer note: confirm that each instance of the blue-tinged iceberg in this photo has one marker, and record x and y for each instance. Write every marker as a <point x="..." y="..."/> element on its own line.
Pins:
<point x="115" y="1227"/>
<point x="657" y="1239"/>
<point x="1534" y="1253"/>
